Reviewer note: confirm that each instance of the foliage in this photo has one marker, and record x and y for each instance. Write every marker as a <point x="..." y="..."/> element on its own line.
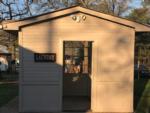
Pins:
<point x="142" y="96"/>
<point x="146" y="2"/>
<point x="142" y="51"/>
<point x="10" y="9"/>
<point x="140" y="15"/>
<point x="7" y="92"/>
<point x="143" y="37"/>
<point x="16" y="9"/>
<point x="114" y="7"/>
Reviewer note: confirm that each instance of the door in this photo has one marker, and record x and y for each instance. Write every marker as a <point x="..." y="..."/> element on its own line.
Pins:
<point x="77" y="75"/>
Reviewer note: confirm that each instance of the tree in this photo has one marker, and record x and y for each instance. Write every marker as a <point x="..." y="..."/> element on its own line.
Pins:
<point x="146" y="2"/>
<point x="14" y="9"/>
<point x="141" y="14"/>
<point x="114" y="7"/>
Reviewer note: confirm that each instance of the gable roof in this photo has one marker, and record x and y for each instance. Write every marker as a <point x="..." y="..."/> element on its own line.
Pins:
<point x="15" y="25"/>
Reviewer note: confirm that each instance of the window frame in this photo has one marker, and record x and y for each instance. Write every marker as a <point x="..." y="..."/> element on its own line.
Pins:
<point x="87" y="65"/>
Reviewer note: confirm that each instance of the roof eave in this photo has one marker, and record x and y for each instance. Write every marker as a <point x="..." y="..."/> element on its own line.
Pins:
<point x="138" y="26"/>
<point x="16" y="25"/>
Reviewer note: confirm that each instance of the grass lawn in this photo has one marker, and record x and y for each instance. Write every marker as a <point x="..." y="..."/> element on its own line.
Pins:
<point x="7" y="92"/>
<point x="142" y="96"/>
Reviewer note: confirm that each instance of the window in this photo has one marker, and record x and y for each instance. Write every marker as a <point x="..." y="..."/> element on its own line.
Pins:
<point x="77" y="57"/>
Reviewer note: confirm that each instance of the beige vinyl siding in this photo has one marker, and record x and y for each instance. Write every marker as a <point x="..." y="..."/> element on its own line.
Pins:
<point x="39" y="98"/>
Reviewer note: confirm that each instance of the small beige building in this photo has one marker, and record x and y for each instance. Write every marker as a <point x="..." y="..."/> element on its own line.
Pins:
<point x="76" y="59"/>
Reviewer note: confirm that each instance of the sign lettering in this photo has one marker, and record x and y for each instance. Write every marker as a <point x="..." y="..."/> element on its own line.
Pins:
<point x="45" y="57"/>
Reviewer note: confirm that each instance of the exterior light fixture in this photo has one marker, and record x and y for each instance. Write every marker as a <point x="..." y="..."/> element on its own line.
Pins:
<point x="74" y="17"/>
<point x="78" y="18"/>
<point x="83" y="17"/>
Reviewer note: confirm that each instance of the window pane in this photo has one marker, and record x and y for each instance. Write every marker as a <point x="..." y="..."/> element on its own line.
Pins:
<point x="85" y="62"/>
<point x="68" y="51"/>
<point x="78" y="52"/>
<point x="85" y="69"/>
<point x="85" y="43"/>
<point x="85" y="51"/>
<point x="68" y="44"/>
<point x="77" y="44"/>
<point x="69" y="68"/>
<point x="76" y="57"/>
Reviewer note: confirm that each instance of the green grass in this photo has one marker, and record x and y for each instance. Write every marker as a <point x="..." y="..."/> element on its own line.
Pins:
<point x="142" y="96"/>
<point x="7" y="92"/>
<point x="5" y="76"/>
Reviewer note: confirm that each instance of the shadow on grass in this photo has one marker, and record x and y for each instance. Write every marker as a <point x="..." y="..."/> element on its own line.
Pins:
<point x="5" y="76"/>
<point x="7" y="92"/>
<point x="142" y="96"/>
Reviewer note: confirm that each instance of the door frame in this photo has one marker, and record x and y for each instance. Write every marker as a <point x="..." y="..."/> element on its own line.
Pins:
<point x="93" y="70"/>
